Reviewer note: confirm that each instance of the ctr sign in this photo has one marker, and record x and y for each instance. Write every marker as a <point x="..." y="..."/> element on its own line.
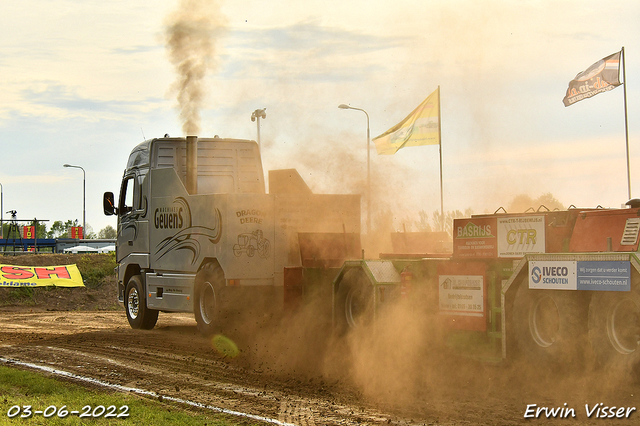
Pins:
<point x="518" y="236"/>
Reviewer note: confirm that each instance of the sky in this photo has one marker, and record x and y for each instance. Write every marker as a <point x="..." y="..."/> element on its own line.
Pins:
<point x="83" y="82"/>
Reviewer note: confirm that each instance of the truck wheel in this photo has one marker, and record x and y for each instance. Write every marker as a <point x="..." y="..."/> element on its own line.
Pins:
<point x="549" y="325"/>
<point x="139" y="316"/>
<point x="354" y="302"/>
<point x="614" y="328"/>
<point x="206" y="301"/>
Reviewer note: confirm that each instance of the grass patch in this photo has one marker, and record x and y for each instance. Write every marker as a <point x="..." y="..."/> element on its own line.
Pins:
<point x="22" y="295"/>
<point x="95" y="267"/>
<point x="22" y="388"/>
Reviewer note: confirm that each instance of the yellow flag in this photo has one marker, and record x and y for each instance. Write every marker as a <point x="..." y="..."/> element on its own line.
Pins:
<point x="421" y="127"/>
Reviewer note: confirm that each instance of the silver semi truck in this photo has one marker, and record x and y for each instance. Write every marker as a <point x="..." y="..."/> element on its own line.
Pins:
<point x="197" y="232"/>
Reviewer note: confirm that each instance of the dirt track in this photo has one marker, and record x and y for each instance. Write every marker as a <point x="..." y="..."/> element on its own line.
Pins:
<point x="174" y="360"/>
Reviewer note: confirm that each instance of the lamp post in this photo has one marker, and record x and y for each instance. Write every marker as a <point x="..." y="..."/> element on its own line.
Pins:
<point x="84" y="214"/>
<point x="258" y="114"/>
<point x="344" y="106"/>
<point x="1" y="211"/>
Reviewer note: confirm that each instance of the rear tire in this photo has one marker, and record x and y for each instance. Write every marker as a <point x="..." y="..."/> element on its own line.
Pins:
<point x="138" y="315"/>
<point x="614" y="328"/>
<point x="550" y="326"/>
<point x="206" y="302"/>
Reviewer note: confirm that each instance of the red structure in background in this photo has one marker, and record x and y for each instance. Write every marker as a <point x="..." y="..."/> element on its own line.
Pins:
<point x="28" y="232"/>
<point x="77" y="232"/>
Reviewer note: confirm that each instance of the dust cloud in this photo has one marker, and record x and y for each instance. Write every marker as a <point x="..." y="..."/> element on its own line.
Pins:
<point x="338" y="165"/>
<point x="191" y="33"/>
<point x="405" y="363"/>
<point x="400" y="360"/>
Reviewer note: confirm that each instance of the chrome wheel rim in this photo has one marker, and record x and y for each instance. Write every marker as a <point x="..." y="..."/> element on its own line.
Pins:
<point x="133" y="303"/>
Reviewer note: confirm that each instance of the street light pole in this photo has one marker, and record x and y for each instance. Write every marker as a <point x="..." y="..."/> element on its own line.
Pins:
<point x="1" y="211"/>
<point x="84" y="198"/>
<point x="258" y="114"/>
<point x="344" y="106"/>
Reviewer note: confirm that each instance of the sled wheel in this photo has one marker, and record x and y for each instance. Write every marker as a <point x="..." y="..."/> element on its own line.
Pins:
<point x="139" y="316"/>
<point x="614" y="328"/>
<point x="550" y="325"/>
<point x="206" y="301"/>
<point x="354" y="302"/>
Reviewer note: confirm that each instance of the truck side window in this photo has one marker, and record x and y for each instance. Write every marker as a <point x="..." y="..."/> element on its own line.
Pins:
<point x="126" y="196"/>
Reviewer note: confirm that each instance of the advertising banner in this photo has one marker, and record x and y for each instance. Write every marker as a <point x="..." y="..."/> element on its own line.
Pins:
<point x="580" y="275"/>
<point x="77" y="233"/>
<point x="518" y="236"/>
<point x="28" y="232"/>
<point x="553" y="275"/>
<point x="475" y="238"/>
<point x="604" y="276"/>
<point x="40" y="276"/>
<point x="462" y="295"/>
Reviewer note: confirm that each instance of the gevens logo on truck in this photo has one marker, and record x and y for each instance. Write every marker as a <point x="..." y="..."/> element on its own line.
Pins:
<point x="185" y="235"/>
<point x="168" y="218"/>
<point x="173" y="217"/>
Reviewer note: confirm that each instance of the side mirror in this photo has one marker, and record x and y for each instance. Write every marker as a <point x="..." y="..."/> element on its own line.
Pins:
<point x="108" y="205"/>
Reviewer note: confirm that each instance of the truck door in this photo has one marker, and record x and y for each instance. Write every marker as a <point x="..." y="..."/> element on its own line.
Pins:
<point x="128" y="211"/>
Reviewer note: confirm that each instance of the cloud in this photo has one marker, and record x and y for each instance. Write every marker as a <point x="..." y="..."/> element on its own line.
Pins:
<point x="64" y="99"/>
<point x="134" y="50"/>
<point x="306" y="51"/>
<point x="313" y="35"/>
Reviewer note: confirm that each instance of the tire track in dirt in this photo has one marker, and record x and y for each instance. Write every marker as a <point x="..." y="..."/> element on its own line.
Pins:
<point x="174" y="361"/>
<point x="178" y="363"/>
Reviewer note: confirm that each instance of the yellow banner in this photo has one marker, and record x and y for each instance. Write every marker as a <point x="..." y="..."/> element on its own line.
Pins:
<point x="421" y="127"/>
<point x="40" y="276"/>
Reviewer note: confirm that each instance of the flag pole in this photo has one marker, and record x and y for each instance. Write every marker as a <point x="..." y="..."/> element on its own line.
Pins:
<point x="440" y="149"/>
<point x="626" y="122"/>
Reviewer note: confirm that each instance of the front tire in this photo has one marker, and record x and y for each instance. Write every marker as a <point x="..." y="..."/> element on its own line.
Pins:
<point x="206" y="302"/>
<point x="138" y="315"/>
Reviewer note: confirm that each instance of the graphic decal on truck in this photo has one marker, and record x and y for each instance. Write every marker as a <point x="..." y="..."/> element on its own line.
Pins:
<point x="187" y="236"/>
<point x="249" y="243"/>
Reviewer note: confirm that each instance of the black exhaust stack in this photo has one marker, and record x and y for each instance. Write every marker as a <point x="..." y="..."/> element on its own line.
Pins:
<point x="192" y="165"/>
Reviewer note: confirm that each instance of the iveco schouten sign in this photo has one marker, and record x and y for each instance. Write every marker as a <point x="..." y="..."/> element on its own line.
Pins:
<point x="580" y="275"/>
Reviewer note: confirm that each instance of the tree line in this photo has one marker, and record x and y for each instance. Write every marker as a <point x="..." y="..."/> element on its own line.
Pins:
<point x="439" y="222"/>
<point x="59" y="229"/>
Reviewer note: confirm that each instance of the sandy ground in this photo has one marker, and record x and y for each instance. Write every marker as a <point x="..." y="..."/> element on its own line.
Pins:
<point x="174" y="360"/>
<point x="295" y="371"/>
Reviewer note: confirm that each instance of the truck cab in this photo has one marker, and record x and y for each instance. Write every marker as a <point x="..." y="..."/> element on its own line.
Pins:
<point x="194" y="219"/>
